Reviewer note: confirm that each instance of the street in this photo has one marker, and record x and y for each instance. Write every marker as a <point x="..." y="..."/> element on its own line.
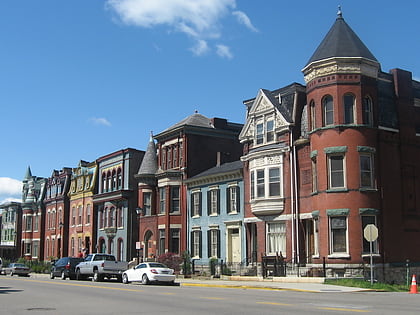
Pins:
<point x="20" y="295"/>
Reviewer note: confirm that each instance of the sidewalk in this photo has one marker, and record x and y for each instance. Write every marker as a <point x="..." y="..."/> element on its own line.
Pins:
<point x="299" y="285"/>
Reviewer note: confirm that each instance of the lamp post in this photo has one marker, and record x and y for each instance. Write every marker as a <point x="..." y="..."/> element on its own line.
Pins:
<point x="140" y="213"/>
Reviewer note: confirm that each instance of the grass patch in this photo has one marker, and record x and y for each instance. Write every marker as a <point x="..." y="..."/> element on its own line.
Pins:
<point x="366" y="285"/>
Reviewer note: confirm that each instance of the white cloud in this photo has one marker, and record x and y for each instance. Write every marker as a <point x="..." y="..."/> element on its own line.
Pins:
<point x="244" y="19"/>
<point x="10" y="186"/>
<point x="200" y="48"/>
<point x="101" y="121"/>
<point x="224" y="51"/>
<point x="198" y="19"/>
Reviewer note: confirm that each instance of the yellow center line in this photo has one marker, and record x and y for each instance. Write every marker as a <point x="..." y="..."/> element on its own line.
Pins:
<point x="274" y="303"/>
<point x="343" y="309"/>
<point x="167" y="293"/>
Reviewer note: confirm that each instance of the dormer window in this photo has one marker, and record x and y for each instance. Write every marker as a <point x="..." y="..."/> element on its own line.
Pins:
<point x="264" y="131"/>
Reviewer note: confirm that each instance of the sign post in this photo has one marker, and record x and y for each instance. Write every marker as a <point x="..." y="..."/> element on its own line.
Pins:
<point x="370" y="232"/>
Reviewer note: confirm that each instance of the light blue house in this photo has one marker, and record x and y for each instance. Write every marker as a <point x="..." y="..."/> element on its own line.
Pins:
<point x="215" y="216"/>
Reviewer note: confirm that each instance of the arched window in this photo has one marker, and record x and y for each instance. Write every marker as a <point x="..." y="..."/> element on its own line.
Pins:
<point x="109" y="179"/>
<point x="120" y="219"/>
<point x="348" y="100"/>
<point x="101" y="219"/>
<point x="367" y="111"/>
<point x="114" y="180"/>
<point x="328" y="110"/>
<point x="102" y="246"/>
<point x="112" y="217"/>
<point x="312" y="114"/>
<point x="119" y="179"/>
<point x="103" y="182"/>
<point x="120" y="250"/>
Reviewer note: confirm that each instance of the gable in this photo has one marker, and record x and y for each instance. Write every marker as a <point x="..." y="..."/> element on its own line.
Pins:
<point x="264" y="105"/>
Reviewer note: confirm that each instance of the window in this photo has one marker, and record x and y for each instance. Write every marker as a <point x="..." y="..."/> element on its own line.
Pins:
<point x="161" y="242"/>
<point x="120" y="250"/>
<point x="120" y="219"/>
<point x="233" y="199"/>
<point x="196" y="204"/>
<point x="35" y="249"/>
<point x="196" y="243"/>
<point x="264" y="131"/>
<point x="162" y="203"/>
<point x="328" y="110"/>
<point x="267" y="183"/>
<point x="72" y="247"/>
<point x="338" y="234"/>
<point x="80" y="215"/>
<point x="114" y="181"/>
<point x="28" y="223"/>
<point x="147" y="203"/>
<point x="101" y="219"/>
<point x="109" y="185"/>
<point x="312" y="114"/>
<point x="213" y="246"/>
<point x="36" y="222"/>
<point x="348" y="109"/>
<point x="169" y="157"/>
<point x="259" y="136"/>
<point x="336" y="171"/>
<point x="369" y="219"/>
<point x="252" y="185"/>
<point x="174" y="199"/>
<point x="367" y="111"/>
<point x="174" y="243"/>
<point x="88" y="214"/>
<point x="111" y="221"/>
<point x="314" y="176"/>
<point x="27" y="248"/>
<point x="274" y="181"/>
<point x="103" y="182"/>
<point x="270" y="130"/>
<point x="260" y="183"/>
<point x="213" y="202"/>
<point x="119" y="179"/>
<point x="366" y="171"/>
<point x="276" y="238"/>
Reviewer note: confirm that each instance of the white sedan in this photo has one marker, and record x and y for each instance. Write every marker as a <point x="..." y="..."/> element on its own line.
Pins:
<point x="149" y="272"/>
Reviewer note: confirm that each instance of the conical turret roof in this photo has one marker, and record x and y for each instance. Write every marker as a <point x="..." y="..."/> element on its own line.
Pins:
<point x="149" y="164"/>
<point x="341" y="41"/>
<point x="28" y="173"/>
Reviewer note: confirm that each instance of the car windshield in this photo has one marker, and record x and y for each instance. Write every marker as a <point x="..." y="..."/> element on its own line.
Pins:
<point x="157" y="265"/>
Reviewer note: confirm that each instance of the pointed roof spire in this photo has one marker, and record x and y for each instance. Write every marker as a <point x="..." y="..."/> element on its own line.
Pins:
<point x="341" y="41"/>
<point x="149" y="164"/>
<point x="28" y="173"/>
<point x="339" y="13"/>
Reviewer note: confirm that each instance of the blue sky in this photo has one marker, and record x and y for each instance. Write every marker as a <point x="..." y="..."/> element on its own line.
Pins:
<point x="80" y="79"/>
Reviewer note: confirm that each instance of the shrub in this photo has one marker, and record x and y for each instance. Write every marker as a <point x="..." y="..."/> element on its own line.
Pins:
<point x="171" y="260"/>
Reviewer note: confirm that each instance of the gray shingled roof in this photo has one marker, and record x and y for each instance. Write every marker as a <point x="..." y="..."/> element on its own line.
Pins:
<point x="149" y="164"/>
<point x="195" y="119"/>
<point x="341" y="41"/>
<point x="223" y="168"/>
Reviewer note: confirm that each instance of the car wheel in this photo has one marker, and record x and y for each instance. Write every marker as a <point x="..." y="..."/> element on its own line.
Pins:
<point x="52" y="275"/>
<point x="145" y="279"/>
<point x="78" y="275"/>
<point x="125" y="279"/>
<point x="63" y="275"/>
<point x="97" y="277"/>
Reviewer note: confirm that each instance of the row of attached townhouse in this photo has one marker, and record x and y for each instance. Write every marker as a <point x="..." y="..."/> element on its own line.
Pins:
<point x="310" y="168"/>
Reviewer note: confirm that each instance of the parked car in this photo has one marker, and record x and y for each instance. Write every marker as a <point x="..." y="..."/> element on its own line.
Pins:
<point x="65" y="268"/>
<point x="17" y="269"/>
<point x="100" y="266"/>
<point x="149" y="272"/>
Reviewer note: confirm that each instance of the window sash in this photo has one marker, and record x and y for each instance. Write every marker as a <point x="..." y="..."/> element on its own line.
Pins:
<point x="274" y="182"/>
<point x="276" y="238"/>
<point x="259" y="133"/>
<point x="260" y="184"/>
<point x="338" y="232"/>
<point x="366" y="171"/>
<point x="162" y="200"/>
<point x="213" y="202"/>
<point x="328" y="107"/>
<point x="367" y="111"/>
<point x="348" y="109"/>
<point x="174" y="199"/>
<point x="336" y="171"/>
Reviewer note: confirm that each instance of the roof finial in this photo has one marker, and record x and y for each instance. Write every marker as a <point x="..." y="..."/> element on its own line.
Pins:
<point x="339" y="13"/>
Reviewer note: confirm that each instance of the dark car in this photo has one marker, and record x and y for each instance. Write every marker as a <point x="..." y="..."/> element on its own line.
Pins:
<point x="65" y="268"/>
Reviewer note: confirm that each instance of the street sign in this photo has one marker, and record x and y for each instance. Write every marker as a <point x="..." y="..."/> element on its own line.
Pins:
<point x="370" y="232"/>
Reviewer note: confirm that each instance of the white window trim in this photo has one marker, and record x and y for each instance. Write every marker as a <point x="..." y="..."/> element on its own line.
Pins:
<point x="344" y="171"/>
<point x="338" y="254"/>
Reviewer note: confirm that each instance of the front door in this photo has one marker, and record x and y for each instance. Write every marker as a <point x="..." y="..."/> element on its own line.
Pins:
<point x="234" y="245"/>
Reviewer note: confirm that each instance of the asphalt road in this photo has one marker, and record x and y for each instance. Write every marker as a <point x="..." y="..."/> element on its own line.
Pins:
<point x="20" y="295"/>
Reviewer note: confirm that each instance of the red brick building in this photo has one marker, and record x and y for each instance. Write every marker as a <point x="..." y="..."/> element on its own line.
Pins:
<point x="182" y="151"/>
<point x="324" y="161"/>
<point x="57" y="209"/>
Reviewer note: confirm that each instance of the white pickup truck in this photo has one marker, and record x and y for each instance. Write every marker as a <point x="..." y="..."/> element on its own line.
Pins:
<point x="100" y="266"/>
